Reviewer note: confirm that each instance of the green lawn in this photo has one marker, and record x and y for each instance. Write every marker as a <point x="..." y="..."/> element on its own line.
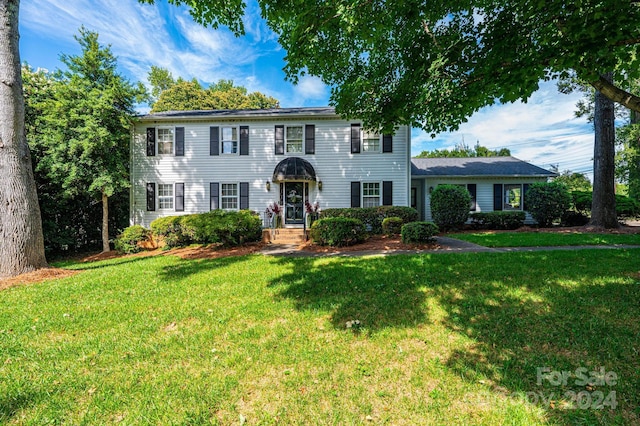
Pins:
<point x="544" y="239"/>
<point x="444" y="339"/>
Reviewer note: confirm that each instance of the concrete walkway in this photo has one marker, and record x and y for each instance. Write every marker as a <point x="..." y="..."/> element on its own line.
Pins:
<point x="446" y="245"/>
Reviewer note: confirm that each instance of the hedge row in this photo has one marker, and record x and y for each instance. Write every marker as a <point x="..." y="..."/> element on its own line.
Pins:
<point x="418" y="232"/>
<point x="625" y="206"/>
<point x="372" y="217"/>
<point x="498" y="220"/>
<point x="338" y="231"/>
<point x="227" y="228"/>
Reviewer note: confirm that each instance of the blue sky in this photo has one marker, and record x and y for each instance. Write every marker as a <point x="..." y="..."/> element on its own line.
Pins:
<point x="543" y="131"/>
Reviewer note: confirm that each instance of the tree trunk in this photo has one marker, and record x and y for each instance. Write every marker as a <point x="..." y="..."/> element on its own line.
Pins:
<point x="603" y="208"/>
<point x="21" y="240"/>
<point x="105" y="223"/>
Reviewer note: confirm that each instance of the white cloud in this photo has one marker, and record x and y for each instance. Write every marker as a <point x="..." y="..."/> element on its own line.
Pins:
<point x="309" y="88"/>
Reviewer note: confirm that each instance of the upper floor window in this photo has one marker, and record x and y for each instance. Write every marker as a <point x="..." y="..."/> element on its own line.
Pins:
<point x="229" y="196"/>
<point x="370" y="141"/>
<point x="165" y="196"/>
<point x="229" y="140"/>
<point x="370" y="194"/>
<point x="293" y="139"/>
<point x="165" y="141"/>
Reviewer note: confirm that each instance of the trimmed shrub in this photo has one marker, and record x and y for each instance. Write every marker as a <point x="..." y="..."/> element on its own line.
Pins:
<point x="418" y="232"/>
<point x="625" y="206"/>
<point x="392" y="225"/>
<point x="372" y="217"/>
<point x="338" y="231"/>
<point x="227" y="228"/>
<point x="573" y="218"/>
<point x="450" y="206"/>
<point x="547" y="201"/>
<point x="498" y="220"/>
<point x="127" y="241"/>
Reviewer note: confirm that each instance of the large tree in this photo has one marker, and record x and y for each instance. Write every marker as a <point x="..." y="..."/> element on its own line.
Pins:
<point x="464" y="150"/>
<point x="21" y="241"/>
<point x="183" y="95"/>
<point x="86" y="123"/>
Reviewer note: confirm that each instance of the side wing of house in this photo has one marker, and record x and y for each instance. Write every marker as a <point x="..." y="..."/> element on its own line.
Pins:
<point x="194" y="162"/>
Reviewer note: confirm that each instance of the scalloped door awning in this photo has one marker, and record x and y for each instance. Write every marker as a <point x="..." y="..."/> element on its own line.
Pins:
<point x="294" y="168"/>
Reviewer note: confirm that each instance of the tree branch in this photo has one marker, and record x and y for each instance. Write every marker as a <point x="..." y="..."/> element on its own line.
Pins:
<point x="617" y="94"/>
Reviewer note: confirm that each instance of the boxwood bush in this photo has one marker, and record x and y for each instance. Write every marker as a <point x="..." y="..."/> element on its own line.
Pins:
<point x="392" y="225"/>
<point x="547" y="201"/>
<point x="450" y="206"/>
<point x="418" y="232"/>
<point x="372" y="217"/>
<point x="338" y="231"/>
<point x="128" y="240"/>
<point x="227" y="228"/>
<point x="498" y="220"/>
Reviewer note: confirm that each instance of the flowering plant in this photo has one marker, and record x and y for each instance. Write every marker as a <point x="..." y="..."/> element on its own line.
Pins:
<point x="312" y="208"/>
<point x="274" y="208"/>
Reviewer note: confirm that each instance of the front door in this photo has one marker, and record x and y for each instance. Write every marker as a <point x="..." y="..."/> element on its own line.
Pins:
<point x="293" y="203"/>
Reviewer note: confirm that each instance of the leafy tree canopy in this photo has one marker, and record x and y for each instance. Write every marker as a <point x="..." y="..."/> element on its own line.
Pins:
<point x="574" y="181"/>
<point x="183" y="95"/>
<point x="464" y="150"/>
<point x="433" y="64"/>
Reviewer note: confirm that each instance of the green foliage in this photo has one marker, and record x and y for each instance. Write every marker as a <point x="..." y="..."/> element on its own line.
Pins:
<point x="465" y="151"/>
<point x="450" y="206"/>
<point x="574" y="181"/>
<point x="498" y="220"/>
<point x="574" y="218"/>
<point x="625" y="206"/>
<point x="182" y="95"/>
<point x="547" y="201"/>
<point x="418" y="232"/>
<point x="226" y="228"/>
<point x="128" y="241"/>
<point x="338" y="231"/>
<point x="392" y="225"/>
<point x="372" y="217"/>
<point x="628" y="158"/>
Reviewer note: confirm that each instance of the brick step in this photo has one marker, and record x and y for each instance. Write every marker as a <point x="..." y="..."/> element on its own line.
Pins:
<point x="284" y="236"/>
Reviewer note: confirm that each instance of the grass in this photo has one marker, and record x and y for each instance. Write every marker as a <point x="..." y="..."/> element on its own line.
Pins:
<point x="444" y="339"/>
<point x="545" y="239"/>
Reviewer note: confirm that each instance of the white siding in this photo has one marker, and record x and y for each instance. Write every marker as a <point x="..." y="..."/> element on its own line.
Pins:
<point x="484" y="190"/>
<point x="334" y="164"/>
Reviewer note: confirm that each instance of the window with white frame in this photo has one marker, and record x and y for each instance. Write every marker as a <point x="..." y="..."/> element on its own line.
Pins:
<point x="165" y="141"/>
<point x="370" y="194"/>
<point x="370" y="141"/>
<point x="229" y="196"/>
<point x="512" y="197"/>
<point x="229" y="136"/>
<point x="293" y="139"/>
<point x="165" y="196"/>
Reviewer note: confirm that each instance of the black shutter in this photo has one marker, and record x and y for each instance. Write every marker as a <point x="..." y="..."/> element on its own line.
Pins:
<point x="387" y="143"/>
<point x="214" y="191"/>
<point x="244" y="140"/>
<point x="279" y="149"/>
<point x="387" y="193"/>
<point x="214" y="141"/>
<point x="151" y="141"/>
<point x="151" y="197"/>
<point x="355" y="194"/>
<point x="309" y="139"/>
<point x="179" y="197"/>
<point x="244" y="195"/>
<point x="497" y="196"/>
<point x="525" y="189"/>
<point x="471" y="187"/>
<point x="355" y="138"/>
<point x="179" y="141"/>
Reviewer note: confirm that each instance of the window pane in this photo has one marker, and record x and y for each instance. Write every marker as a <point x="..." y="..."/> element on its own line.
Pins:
<point x="370" y="201"/>
<point x="229" y="196"/>
<point x="229" y="134"/>
<point x="165" y="141"/>
<point x="370" y="141"/>
<point x="370" y="194"/>
<point x="229" y="147"/>
<point x="294" y="132"/>
<point x="512" y="197"/>
<point x="165" y="196"/>
<point x="294" y="139"/>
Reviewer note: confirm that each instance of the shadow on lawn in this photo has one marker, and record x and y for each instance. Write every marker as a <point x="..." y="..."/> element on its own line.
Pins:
<point x="561" y="310"/>
<point x="379" y="292"/>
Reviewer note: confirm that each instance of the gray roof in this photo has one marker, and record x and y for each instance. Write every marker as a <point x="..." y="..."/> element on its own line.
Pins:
<point x="476" y="166"/>
<point x="242" y="113"/>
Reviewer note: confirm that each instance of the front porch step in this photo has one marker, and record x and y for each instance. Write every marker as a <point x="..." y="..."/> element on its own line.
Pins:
<point x="284" y="236"/>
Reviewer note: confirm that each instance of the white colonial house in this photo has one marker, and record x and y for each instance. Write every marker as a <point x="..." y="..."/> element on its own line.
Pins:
<point x="195" y="161"/>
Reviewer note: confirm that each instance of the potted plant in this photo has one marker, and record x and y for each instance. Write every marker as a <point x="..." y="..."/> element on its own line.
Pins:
<point x="313" y="211"/>
<point x="274" y="211"/>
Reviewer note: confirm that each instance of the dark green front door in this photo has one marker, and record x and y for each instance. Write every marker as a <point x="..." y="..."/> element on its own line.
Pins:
<point x="293" y="202"/>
